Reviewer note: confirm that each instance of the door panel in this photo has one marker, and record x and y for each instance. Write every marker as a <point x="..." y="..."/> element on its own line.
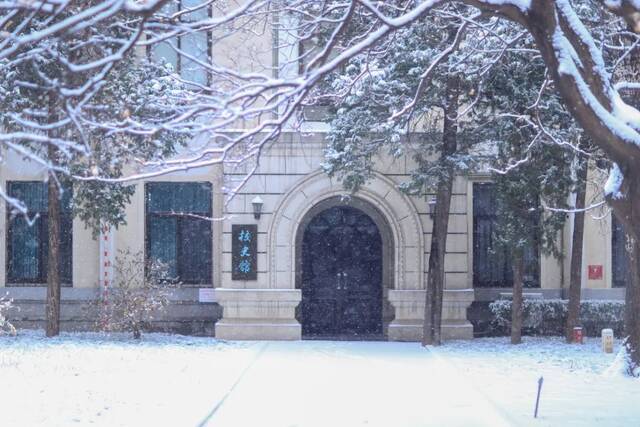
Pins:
<point x="341" y="274"/>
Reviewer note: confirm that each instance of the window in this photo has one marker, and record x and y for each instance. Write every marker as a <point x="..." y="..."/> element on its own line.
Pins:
<point x="28" y="243"/>
<point x="492" y="265"/>
<point x="318" y="106"/>
<point x="178" y="229"/>
<point x="619" y="258"/>
<point x="187" y="50"/>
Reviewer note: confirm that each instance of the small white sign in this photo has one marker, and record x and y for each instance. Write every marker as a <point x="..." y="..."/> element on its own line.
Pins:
<point x="607" y="340"/>
<point x="206" y="295"/>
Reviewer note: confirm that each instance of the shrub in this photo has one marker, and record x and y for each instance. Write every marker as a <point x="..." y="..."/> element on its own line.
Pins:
<point x="5" y="326"/>
<point x="137" y="294"/>
<point x="548" y="317"/>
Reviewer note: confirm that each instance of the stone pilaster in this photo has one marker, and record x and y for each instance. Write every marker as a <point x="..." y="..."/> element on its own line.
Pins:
<point x="258" y="314"/>
<point x="409" y="314"/>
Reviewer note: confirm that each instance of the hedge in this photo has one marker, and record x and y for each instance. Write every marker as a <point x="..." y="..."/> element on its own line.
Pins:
<point x="548" y="317"/>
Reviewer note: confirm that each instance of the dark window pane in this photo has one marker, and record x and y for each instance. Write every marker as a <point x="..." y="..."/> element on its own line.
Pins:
<point x="66" y="249"/>
<point x="490" y="262"/>
<point x="195" y="251"/>
<point x="170" y="197"/>
<point x="492" y="265"/>
<point x="32" y="194"/>
<point x="194" y="197"/>
<point x="159" y="197"/>
<point x="24" y="263"/>
<point x="619" y="258"/>
<point x="29" y="244"/>
<point x="65" y="264"/>
<point x="162" y="241"/>
<point x="484" y="200"/>
<point x="175" y="236"/>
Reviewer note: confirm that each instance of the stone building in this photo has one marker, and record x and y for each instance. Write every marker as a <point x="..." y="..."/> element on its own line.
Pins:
<point x="326" y="262"/>
<point x="316" y="261"/>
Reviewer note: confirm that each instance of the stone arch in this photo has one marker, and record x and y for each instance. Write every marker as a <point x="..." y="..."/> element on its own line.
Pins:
<point x="397" y="209"/>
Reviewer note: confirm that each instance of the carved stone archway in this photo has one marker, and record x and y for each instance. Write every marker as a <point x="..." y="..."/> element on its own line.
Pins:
<point x="380" y="192"/>
<point x="268" y="310"/>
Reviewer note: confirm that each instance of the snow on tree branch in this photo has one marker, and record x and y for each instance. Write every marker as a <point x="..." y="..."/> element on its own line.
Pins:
<point x="292" y="47"/>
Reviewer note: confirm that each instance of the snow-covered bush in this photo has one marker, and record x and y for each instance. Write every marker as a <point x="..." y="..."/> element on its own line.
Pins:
<point x="597" y="315"/>
<point x="5" y="326"/>
<point x="547" y="317"/>
<point x="140" y="291"/>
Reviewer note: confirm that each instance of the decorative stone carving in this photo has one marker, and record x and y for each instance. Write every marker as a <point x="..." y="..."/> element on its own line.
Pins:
<point x="381" y="192"/>
<point x="268" y="312"/>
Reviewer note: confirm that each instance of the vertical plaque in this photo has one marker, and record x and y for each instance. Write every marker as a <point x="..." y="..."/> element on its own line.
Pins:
<point x="244" y="252"/>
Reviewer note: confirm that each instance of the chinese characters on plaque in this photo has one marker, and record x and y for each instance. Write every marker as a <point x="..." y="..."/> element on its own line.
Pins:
<point x="244" y="252"/>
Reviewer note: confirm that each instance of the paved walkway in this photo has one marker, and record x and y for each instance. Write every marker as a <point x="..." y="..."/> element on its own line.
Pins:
<point x="334" y="384"/>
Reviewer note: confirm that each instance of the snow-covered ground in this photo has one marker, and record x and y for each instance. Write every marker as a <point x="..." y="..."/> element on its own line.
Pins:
<point x="578" y="389"/>
<point x="165" y="380"/>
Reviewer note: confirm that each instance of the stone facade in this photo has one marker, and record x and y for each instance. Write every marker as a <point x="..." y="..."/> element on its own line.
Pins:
<point x="291" y="184"/>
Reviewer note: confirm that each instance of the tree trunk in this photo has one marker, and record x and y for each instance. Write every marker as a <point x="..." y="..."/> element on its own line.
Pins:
<point x="543" y="19"/>
<point x="516" y="302"/>
<point x="575" y="280"/>
<point x="431" y="331"/>
<point x="53" y="257"/>
<point x="53" y="254"/>
<point x="632" y="307"/>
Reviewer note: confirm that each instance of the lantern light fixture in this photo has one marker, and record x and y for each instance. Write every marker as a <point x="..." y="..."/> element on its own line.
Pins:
<point x="257" y="203"/>
<point x="432" y="207"/>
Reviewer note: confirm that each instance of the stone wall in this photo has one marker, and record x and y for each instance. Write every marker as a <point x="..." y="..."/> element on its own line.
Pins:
<point x="185" y="315"/>
<point x="290" y="182"/>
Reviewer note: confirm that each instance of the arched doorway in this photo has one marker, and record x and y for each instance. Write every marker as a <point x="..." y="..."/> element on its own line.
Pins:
<point x="341" y="270"/>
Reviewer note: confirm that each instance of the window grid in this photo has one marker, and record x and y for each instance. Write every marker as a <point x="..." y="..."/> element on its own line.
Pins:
<point x="40" y="235"/>
<point x="202" y="272"/>
<point x="177" y="59"/>
<point x="619" y="257"/>
<point x="492" y="266"/>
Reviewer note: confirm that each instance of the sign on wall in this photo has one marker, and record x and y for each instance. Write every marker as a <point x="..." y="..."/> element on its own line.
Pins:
<point x="595" y="272"/>
<point x="244" y="252"/>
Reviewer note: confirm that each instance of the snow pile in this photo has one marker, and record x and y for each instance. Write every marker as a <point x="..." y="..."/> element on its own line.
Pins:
<point x="5" y="326"/>
<point x="614" y="182"/>
<point x="621" y="366"/>
<point x="523" y="5"/>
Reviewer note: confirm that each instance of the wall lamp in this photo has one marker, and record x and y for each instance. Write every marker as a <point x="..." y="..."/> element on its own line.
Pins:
<point x="257" y="203"/>
<point x="432" y="207"/>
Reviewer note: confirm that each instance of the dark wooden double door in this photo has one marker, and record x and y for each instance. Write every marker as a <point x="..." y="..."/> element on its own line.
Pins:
<point x="341" y="275"/>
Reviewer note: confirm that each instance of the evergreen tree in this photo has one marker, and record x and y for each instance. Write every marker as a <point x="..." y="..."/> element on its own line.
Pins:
<point x="532" y="169"/>
<point x="79" y="108"/>
<point x="429" y="132"/>
<point x="513" y="122"/>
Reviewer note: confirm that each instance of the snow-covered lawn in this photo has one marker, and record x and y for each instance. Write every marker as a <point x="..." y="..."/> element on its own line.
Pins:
<point x="579" y="389"/>
<point x="87" y="379"/>
<point x="165" y="380"/>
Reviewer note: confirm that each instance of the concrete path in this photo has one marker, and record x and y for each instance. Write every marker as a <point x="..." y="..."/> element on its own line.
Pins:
<point x="334" y="384"/>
